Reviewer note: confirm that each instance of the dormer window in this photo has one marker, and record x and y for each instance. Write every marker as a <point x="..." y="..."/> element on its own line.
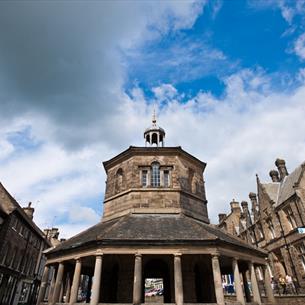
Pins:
<point x="155" y="174"/>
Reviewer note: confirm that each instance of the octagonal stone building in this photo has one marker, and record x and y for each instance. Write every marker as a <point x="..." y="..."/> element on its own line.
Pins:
<point x="155" y="224"/>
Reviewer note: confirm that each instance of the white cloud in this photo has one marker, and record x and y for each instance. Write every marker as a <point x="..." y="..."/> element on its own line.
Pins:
<point x="238" y="135"/>
<point x="62" y="61"/>
<point x="6" y="148"/>
<point x="241" y="134"/>
<point x="86" y="215"/>
<point x="164" y="92"/>
<point x="299" y="46"/>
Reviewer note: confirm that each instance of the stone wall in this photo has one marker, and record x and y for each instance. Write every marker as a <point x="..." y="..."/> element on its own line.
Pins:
<point x="186" y="191"/>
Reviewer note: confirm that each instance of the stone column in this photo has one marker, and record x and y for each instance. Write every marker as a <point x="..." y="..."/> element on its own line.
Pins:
<point x="51" y="290"/>
<point x="239" y="290"/>
<point x="88" y="292"/>
<point x="68" y="288"/>
<point x="217" y="280"/>
<point x="61" y="294"/>
<point x="137" y="281"/>
<point x="58" y="283"/>
<point x="267" y="282"/>
<point x="44" y="283"/>
<point x="96" y="280"/>
<point x="246" y="287"/>
<point x="178" y="279"/>
<point x="255" y="290"/>
<point x="75" y="283"/>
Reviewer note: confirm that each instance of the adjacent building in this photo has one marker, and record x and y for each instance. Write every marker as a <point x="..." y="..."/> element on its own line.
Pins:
<point x="275" y="221"/>
<point x="155" y="225"/>
<point x="21" y="247"/>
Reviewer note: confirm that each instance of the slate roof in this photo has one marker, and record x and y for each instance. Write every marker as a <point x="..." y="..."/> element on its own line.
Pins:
<point x="153" y="228"/>
<point x="272" y="189"/>
<point x="279" y="192"/>
<point x="287" y="186"/>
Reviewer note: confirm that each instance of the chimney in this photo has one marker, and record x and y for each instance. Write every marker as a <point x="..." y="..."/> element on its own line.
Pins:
<point x="274" y="174"/>
<point x="254" y="204"/>
<point x="234" y="205"/>
<point x="281" y="166"/>
<point x="221" y="217"/>
<point x="244" y="205"/>
<point x="29" y="210"/>
<point x="245" y="212"/>
<point x="51" y="233"/>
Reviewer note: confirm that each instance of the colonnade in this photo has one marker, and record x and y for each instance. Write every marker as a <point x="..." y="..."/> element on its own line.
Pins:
<point x="56" y="287"/>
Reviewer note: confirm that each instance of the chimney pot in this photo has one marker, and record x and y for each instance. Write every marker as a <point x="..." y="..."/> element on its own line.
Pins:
<point x="281" y="166"/>
<point x="274" y="174"/>
<point x="244" y="204"/>
<point x="221" y="217"/>
<point x="252" y="196"/>
<point x="29" y="211"/>
<point x="234" y="205"/>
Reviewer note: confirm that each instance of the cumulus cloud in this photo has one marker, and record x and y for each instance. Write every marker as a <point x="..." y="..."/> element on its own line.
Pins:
<point x="238" y="135"/>
<point x="64" y="107"/>
<point x="184" y="60"/>
<point x="242" y="134"/>
<point x="164" y="92"/>
<point x="299" y="46"/>
<point x="289" y="9"/>
<point x="62" y="60"/>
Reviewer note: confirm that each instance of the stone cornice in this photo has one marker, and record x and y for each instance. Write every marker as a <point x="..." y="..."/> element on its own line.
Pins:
<point x="155" y="189"/>
<point x="145" y="151"/>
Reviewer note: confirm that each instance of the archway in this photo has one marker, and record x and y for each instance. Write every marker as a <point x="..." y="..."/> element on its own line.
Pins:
<point x="204" y="287"/>
<point x="110" y="283"/>
<point x="158" y="269"/>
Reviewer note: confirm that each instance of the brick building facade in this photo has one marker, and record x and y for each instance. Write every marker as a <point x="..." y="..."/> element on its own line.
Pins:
<point x="274" y="221"/>
<point x="21" y="246"/>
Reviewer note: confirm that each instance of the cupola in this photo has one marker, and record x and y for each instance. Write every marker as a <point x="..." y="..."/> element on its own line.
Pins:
<point x="154" y="135"/>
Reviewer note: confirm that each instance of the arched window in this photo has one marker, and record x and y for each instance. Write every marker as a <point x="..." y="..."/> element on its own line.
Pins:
<point x="155" y="174"/>
<point x="154" y="138"/>
<point x="192" y="180"/>
<point x="119" y="180"/>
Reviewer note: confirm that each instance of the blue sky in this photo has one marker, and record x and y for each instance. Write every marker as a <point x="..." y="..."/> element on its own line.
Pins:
<point x="78" y="81"/>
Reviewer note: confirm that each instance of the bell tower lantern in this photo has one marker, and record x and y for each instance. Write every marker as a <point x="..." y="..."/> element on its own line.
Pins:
<point x="154" y="135"/>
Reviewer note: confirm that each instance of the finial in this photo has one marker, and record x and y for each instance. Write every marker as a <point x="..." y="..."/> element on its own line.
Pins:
<point x="154" y="135"/>
<point x="154" y="119"/>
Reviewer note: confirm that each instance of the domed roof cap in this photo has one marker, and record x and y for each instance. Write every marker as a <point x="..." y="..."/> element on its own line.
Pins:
<point x="154" y="134"/>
